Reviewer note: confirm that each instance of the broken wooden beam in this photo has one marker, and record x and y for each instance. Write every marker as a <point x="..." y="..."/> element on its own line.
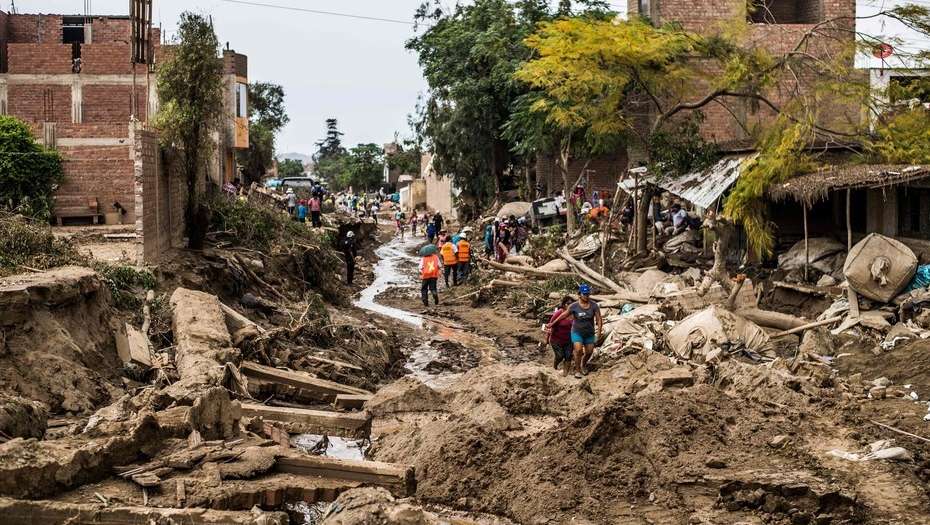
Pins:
<point x="337" y="364"/>
<point x="351" y="401"/>
<point x="399" y="479"/>
<point x="236" y="321"/>
<point x="320" y="388"/>
<point x="32" y="511"/>
<point x="354" y="425"/>
<point x="529" y="271"/>
<point x="771" y="319"/>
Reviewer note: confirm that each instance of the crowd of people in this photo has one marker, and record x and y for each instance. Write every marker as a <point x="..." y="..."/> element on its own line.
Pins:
<point x="505" y="237"/>
<point x="299" y="208"/>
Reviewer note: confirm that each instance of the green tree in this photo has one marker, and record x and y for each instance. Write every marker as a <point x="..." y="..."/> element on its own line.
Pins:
<point x="291" y="168"/>
<point x="190" y="88"/>
<point x="469" y="56"/>
<point x="365" y="166"/>
<point x="267" y="117"/>
<point x="29" y="173"/>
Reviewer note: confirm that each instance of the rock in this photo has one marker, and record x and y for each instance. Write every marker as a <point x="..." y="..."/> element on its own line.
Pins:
<point x="881" y="381"/>
<point x="20" y="417"/>
<point x="714" y="356"/>
<point x="715" y="463"/>
<point x="779" y="441"/>
<point x="817" y="341"/>
<point x="826" y="281"/>
<point x="855" y="379"/>
<point x="406" y="395"/>
<point x="675" y="377"/>
<point x="877" y="392"/>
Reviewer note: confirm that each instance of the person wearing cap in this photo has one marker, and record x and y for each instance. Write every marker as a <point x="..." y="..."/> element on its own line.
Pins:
<point x="350" y="252"/>
<point x="587" y="327"/>
<point x="429" y="276"/>
<point x="464" y="259"/>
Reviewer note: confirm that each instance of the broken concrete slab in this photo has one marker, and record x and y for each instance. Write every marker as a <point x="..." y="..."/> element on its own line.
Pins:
<point x="215" y="416"/>
<point x="317" y="388"/>
<point x="679" y="377"/>
<point x="22" y="511"/>
<point x="203" y="343"/>
<point x="133" y="346"/>
<point x="407" y="394"/>
<point x="354" y="425"/>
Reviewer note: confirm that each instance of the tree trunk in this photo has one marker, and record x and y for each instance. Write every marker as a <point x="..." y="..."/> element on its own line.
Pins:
<point x="642" y="216"/>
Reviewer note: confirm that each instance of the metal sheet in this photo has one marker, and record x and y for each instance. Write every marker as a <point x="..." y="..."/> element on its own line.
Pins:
<point x="702" y="188"/>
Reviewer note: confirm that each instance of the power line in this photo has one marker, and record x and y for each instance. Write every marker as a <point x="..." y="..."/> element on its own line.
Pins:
<point x="319" y="12"/>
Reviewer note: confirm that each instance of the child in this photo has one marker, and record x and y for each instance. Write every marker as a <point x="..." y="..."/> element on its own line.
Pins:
<point x="302" y="211"/>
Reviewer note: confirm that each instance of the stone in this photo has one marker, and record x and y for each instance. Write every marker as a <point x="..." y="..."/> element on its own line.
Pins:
<point x="715" y="463"/>
<point x="881" y="381"/>
<point x="779" y="441"/>
<point x="714" y="356"/>
<point x="675" y="377"/>
<point x="877" y="392"/>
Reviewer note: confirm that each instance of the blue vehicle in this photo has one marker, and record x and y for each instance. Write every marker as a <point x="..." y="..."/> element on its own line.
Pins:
<point x="272" y="183"/>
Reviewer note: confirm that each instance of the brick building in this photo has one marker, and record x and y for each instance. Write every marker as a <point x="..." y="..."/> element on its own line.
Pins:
<point x="70" y="78"/>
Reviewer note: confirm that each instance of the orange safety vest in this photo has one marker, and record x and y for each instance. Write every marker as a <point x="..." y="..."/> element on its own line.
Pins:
<point x="464" y="251"/>
<point x="448" y="254"/>
<point x="430" y="267"/>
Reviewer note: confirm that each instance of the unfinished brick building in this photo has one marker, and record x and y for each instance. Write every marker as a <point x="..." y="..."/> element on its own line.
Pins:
<point x="71" y="79"/>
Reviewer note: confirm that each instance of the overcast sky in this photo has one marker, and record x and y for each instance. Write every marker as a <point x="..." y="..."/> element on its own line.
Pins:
<point x="355" y="70"/>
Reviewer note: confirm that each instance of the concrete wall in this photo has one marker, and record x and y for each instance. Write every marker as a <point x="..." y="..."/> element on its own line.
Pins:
<point x="413" y="195"/>
<point x="439" y="190"/>
<point x="159" y="199"/>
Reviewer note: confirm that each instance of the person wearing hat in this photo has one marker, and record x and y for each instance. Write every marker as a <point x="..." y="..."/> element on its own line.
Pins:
<point x="464" y="259"/>
<point x="350" y="252"/>
<point x="429" y="276"/>
<point x="291" y="201"/>
<point x="450" y="259"/>
<point x="587" y="327"/>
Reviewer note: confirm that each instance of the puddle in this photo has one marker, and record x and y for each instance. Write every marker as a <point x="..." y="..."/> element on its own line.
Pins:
<point x="390" y="274"/>
<point x="339" y="448"/>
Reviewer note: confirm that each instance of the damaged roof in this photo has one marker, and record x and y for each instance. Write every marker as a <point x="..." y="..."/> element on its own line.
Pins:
<point x="702" y="188"/>
<point x="817" y="186"/>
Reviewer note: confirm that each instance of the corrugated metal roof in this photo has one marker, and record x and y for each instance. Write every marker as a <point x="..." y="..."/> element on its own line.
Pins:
<point x="702" y="188"/>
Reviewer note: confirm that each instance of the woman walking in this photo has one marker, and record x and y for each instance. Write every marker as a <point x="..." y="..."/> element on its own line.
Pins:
<point x="587" y="327"/>
<point x="559" y="336"/>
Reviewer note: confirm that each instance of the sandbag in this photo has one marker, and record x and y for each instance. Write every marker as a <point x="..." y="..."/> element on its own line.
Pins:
<point x="879" y="267"/>
<point x="703" y="331"/>
<point x="820" y="248"/>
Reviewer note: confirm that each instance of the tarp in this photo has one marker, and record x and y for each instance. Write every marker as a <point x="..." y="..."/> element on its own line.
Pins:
<point x="703" y="331"/>
<point x="702" y="188"/>
<point x="821" y="248"/>
<point x="517" y="209"/>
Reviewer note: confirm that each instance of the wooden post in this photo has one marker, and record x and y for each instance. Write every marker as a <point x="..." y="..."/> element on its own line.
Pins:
<point x="848" y="220"/>
<point x="636" y="205"/>
<point x="807" y="252"/>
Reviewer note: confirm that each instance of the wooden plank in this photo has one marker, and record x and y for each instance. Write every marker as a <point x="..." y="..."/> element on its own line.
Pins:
<point x="400" y="479"/>
<point x="30" y="511"/>
<point x="325" y="390"/>
<point x="355" y="424"/>
<point x="352" y="402"/>
<point x="337" y="364"/>
<point x="237" y="320"/>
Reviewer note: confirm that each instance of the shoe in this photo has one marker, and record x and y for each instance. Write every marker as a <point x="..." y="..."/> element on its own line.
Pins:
<point x="557" y="363"/>
<point x="578" y="375"/>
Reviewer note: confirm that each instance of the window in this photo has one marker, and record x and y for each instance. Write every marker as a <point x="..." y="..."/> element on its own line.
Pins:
<point x="242" y="108"/>
<point x="72" y="30"/>
<point x="784" y="11"/>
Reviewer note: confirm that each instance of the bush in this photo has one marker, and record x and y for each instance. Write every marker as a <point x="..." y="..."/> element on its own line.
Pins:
<point x="126" y="284"/>
<point x="29" y="173"/>
<point x="25" y="244"/>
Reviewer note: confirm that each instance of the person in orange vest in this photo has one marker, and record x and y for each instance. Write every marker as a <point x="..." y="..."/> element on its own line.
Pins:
<point x="429" y="275"/>
<point x="464" y="263"/>
<point x="450" y="259"/>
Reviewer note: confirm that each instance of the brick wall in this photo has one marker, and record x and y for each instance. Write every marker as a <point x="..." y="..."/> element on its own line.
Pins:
<point x="110" y="103"/>
<point x="39" y="58"/>
<point x="38" y="103"/>
<point x="160" y="199"/>
<point x="104" y="172"/>
<point x="34" y="28"/>
<point x="604" y="172"/>
<point x="107" y="30"/>
<point x="105" y="59"/>
<point x="4" y="37"/>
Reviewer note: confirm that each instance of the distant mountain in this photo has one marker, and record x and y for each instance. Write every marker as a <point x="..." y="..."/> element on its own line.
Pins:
<point x="305" y="159"/>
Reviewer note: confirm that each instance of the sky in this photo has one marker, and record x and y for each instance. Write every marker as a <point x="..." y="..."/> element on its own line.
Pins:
<point x="351" y="69"/>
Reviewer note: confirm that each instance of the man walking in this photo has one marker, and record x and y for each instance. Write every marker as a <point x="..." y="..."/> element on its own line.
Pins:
<point x="450" y="261"/>
<point x="316" y="208"/>
<point x="429" y="275"/>
<point x="350" y="252"/>
<point x="464" y="264"/>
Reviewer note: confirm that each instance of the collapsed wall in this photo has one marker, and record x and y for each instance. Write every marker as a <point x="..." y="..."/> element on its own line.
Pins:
<point x="56" y="340"/>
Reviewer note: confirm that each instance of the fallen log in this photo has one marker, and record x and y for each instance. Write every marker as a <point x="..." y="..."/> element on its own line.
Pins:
<point x="771" y="319"/>
<point x="501" y="283"/>
<point x="325" y="390"/>
<point x="32" y="511"/>
<point x="354" y="424"/>
<point x="586" y="271"/>
<point x="529" y="271"/>
<point x="808" y="326"/>
<point x="399" y="479"/>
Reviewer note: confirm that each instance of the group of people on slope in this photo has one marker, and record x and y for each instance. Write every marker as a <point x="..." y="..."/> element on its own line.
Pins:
<point x="573" y="330"/>
<point x="299" y="208"/>
<point x="506" y="237"/>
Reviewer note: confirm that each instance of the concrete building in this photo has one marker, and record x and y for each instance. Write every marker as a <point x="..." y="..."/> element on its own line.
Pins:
<point x="70" y="78"/>
<point x="440" y="192"/>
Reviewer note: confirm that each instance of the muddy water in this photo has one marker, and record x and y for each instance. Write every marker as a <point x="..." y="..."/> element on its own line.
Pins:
<point x="396" y="269"/>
